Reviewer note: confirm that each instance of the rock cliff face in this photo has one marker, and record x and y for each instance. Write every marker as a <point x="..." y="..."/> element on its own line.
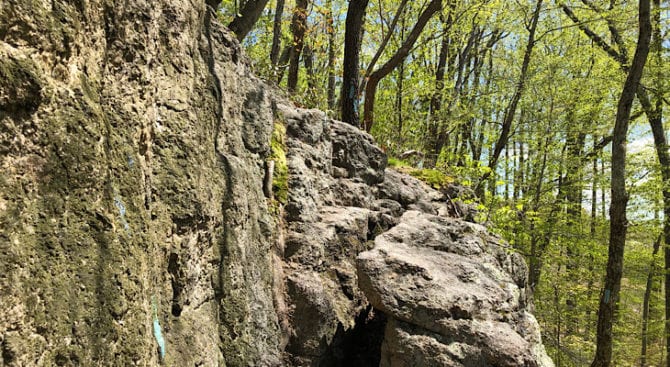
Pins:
<point x="134" y="229"/>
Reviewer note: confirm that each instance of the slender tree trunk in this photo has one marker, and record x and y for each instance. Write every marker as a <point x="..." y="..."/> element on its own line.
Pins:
<point x="434" y="141"/>
<point x="592" y="227"/>
<point x="330" y="24"/>
<point x="539" y="242"/>
<point x="603" y="202"/>
<point x="308" y="60"/>
<point x="276" y="35"/>
<point x="298" y="28"/>
<point x="507" y="178"/>
<point x="559" y="322"/>
<point x="522" y="169"/>
<point x="398" y="105"/>
<point x="646" y="302"/>
<point x="353" y="34"/>
<point x="479" y="140"/>
<point x="244" y="22"/>
<point x="371" y="87"/>
<point x="283" y="61"/>
<point x="655" y="117"/>
<point x="618" y="222"/>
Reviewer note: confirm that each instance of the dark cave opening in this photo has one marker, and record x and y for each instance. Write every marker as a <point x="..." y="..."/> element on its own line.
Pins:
<point x="359" y="346"/>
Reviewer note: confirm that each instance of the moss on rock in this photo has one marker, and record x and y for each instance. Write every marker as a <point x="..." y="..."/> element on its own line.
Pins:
<point x="20" y="86"/>
<point x="278" y="155"/>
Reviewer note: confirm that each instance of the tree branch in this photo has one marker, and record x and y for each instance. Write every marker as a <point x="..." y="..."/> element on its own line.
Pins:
<point x="594" y="37"/>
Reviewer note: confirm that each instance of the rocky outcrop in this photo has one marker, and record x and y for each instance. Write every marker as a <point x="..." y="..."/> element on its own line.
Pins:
<point x="367" y="246"/>
<point x="134" y="228"/>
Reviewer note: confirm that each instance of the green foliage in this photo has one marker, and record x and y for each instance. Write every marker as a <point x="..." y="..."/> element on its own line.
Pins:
<point x="398" y="163"/>
<point x="435" y="178"/>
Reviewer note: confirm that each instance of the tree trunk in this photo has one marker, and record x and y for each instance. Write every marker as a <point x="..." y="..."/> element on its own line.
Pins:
<point x="330" y="24"/>
<point x="245" y="20"/>
<point x="276" y="35"/>
<point x="592" y="228"/>
<point x="619" y="196"/>
<point x="436" y="141"/>
<point x="308" y="60"/>
<point x="282" y="62"/>
<point x="391" y="64"/>
<point x="398" y="104"/>
<point x="646" y="301"/>
<point x="353" y="34"/>
<point x="655" y="116"/>
<point x="298" y="28"/>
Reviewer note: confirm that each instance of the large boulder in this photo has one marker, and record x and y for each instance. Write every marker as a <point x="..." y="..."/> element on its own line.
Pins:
<point x="455" y="296"/>
<point x="365" y="244"/>
<point x="355" y="155"/>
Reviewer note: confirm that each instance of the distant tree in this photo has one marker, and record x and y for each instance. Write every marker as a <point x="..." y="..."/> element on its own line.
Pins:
<point x="330" y="29"/>
<point x="276" y="35"/>
<point x="510" y="110"/>
<point x="373" y="80"/>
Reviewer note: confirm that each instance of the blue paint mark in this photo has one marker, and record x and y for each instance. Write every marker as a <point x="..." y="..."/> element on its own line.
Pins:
<point x="122" y="212"/>
<point x="159" y="338"/>
<point x="120" y="206"/>
<point x="131" y="162"/>
<point x="607" y="296"/>
<point x="158" y="334"/>
<point x="352" y="91"/>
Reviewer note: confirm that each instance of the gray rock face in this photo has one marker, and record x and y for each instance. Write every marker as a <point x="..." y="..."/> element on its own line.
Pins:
<point x="328" y="223"/>
<point x="359" y="236"/>
<point x="357" y="155"/>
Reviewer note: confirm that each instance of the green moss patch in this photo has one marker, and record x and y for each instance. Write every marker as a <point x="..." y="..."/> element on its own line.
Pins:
<point x="433" y="177"/>
<point x="280" y="177"/>
<point x="20" y="87"/>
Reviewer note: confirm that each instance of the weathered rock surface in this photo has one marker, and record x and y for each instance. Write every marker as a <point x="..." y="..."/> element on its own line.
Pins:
<point x="134" y="230"/>
<point x="452" y="293"/>
<point x="449" y="286"/>
<point x="132" y="141"/>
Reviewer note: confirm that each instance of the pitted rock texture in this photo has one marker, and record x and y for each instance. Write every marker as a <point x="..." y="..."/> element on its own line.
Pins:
<point x="454" y="295"/>
<point x="132" y="141"/>
<point x="328" y="218"/>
